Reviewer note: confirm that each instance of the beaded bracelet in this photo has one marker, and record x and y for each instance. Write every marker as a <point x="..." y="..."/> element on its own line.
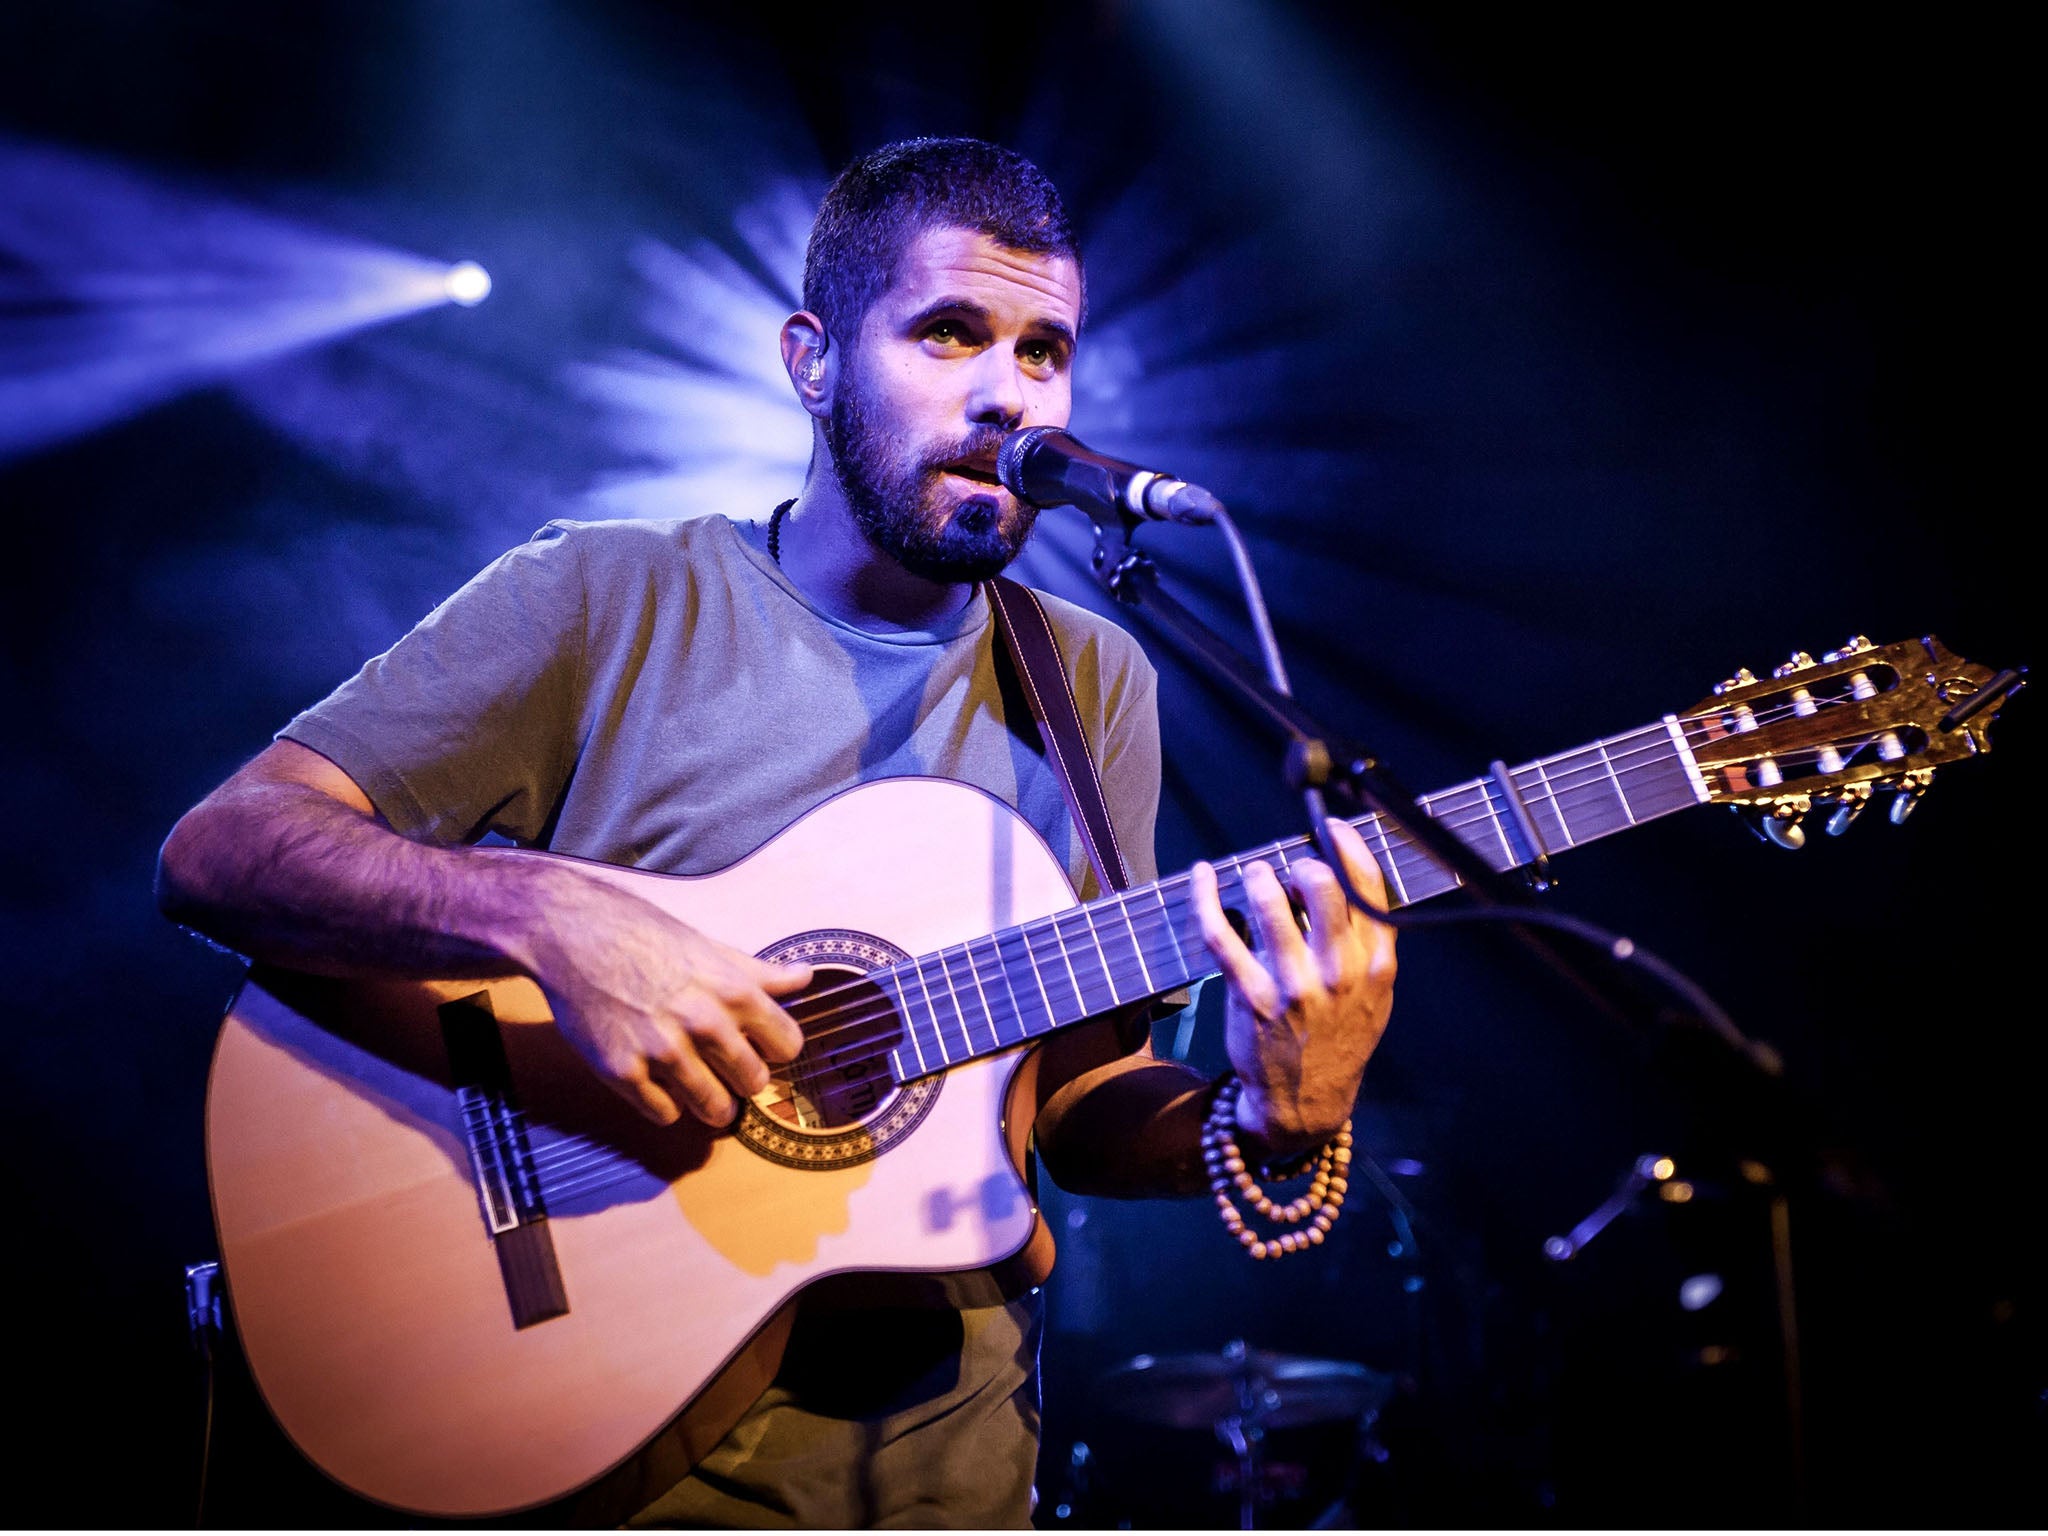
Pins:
<point x="1329" y="1171"/>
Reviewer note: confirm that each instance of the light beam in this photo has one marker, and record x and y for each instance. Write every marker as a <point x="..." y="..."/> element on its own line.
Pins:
<point x="119" y="291"/>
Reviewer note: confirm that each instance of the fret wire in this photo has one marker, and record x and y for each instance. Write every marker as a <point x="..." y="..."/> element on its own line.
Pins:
<point x="967" y="952"/>
<point x="1620" y="793"/>
<point x="1067" y="961"/>
<point x="1172" y="933"/>
<point x="1388" y="864"/>
<point x="1101" y="954"/>
<point x="1037" y="975"/>
<point x="938" y="1020"/>
<point x="1556" y="810"/>
<point x="946" y="1029"/>
<point x="903" y="1013"/>
<point x="1067" y="953"/>
<point x="1123" y="909"/>
<point x="1003" y="970"/>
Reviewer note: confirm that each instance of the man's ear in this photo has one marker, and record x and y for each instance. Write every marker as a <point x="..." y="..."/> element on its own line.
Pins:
<point x="811" y="360"/>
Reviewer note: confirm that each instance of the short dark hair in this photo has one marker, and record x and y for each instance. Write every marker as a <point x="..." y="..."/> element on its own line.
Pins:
<point x="885" y="199"/>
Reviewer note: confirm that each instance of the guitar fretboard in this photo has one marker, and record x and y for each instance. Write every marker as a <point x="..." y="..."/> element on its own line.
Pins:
<point x="1005" y="989"/>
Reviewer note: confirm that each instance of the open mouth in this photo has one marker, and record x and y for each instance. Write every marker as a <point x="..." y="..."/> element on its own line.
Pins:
<point x="982" y="473"/>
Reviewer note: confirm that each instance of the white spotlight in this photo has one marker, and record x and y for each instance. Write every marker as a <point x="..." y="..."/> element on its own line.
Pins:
<point x="468" y="284"/>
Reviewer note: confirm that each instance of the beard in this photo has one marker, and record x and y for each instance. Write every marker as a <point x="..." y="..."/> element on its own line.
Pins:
<point x="900" y="502"/>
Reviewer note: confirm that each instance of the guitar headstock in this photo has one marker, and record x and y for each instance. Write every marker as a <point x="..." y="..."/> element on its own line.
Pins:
<point x="1861" y="720"/>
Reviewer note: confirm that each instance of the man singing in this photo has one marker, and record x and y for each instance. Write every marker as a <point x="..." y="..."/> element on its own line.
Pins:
<point x="670" y="695"/>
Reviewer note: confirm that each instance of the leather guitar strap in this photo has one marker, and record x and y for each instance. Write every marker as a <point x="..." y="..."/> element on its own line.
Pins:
<point x="1032" y="652"/>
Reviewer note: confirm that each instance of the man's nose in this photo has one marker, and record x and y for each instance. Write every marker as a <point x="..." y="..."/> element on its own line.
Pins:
<point x="996" y="397"/>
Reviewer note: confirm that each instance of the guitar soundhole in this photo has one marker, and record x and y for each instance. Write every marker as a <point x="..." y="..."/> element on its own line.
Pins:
<point x="843" y="1076"/>
<point x="838" y="1103"/>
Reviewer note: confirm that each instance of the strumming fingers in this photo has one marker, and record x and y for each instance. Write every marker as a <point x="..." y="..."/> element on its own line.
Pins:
<point x="722" y="1047"/>
<point x="698" y="1089"/>
<point x="638" y="1088"/>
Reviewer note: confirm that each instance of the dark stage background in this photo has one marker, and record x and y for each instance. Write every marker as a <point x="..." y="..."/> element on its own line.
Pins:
<point x="1555" y="366"/>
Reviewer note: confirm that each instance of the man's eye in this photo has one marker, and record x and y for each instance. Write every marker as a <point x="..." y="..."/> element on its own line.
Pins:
<point x="945" y="330"/>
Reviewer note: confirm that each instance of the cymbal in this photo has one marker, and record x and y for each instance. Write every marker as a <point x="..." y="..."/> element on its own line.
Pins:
<point x="1274" y="1391"/>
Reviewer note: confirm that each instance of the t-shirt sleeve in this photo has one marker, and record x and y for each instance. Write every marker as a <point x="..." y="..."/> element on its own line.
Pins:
<point x="1129" y="765"/>
<point x="1129" y="771"/>
<point x="471" y="723"/>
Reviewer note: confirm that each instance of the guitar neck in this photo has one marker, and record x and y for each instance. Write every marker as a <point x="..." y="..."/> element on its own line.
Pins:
<point x="1002" y="990"/>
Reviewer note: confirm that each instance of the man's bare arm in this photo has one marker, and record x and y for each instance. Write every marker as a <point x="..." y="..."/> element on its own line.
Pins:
<point x="288" y="863"/>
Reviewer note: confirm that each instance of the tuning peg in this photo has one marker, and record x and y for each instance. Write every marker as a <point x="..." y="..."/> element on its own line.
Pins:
<point x="1785" y="833"/>
<point x="1843" y="816"/>
<point x="1799" y="662"/>
<point x="1742" y="679"/>
<point x="1855" y="645"/>
<point x="1781" y="826"/>
<point x="1906" y="793"/>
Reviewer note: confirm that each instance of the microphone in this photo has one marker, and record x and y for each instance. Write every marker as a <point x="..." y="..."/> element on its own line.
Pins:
<point x="1050" y="467"/>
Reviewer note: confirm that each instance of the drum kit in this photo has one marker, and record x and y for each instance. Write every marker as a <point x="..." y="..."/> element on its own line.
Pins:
<point x="1275" y="1439"/>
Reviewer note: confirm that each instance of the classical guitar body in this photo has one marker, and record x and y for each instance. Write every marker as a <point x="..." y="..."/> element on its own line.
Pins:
<point x="351" y="1130"/>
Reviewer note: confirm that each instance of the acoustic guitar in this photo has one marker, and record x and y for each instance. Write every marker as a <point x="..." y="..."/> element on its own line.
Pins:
<point x="469" y="1279"/>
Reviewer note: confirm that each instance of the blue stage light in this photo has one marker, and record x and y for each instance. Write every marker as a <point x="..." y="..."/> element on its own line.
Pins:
<point x="120" y="290"/>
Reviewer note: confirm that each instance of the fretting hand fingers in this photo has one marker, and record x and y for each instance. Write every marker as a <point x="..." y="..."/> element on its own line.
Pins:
<point x="1306" y="1011"/>
<point x="1375" y="937"/>
<point x="1359" y="863"/>
<point x="1278" y="940"/>
<point x="1241" y="968"/>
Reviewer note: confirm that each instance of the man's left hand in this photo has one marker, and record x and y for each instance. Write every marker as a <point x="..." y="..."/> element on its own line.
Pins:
<point x="1307" y="1009"/>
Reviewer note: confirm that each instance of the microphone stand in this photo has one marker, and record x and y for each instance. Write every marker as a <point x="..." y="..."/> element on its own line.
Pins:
<point x="1318" y="759"/>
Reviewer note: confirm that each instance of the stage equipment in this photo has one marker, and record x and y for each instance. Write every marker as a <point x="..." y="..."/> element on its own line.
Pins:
<point x="1775" y="748"/>
<point x="1241" y="1398"/>
<point x="1050" y="467"/>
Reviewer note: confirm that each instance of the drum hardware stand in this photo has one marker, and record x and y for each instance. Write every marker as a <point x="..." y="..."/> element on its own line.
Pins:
<point x="202" y="1317"/>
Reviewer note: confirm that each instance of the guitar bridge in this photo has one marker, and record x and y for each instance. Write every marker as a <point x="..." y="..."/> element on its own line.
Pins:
<point x="501" y="1162"/>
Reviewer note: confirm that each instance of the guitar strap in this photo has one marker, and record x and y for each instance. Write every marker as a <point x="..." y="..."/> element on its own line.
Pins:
<point x="1035" y="657"/>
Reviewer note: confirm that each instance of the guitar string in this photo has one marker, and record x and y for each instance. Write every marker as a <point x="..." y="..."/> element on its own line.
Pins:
<point x="1109" y="974"/>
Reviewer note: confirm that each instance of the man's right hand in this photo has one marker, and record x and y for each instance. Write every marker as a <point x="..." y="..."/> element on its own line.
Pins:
<point x="670" y="1019"/>
<point x="288" y="862"/>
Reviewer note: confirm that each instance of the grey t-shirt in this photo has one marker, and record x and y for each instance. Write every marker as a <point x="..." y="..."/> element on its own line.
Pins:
<point x="658" y="694"/>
